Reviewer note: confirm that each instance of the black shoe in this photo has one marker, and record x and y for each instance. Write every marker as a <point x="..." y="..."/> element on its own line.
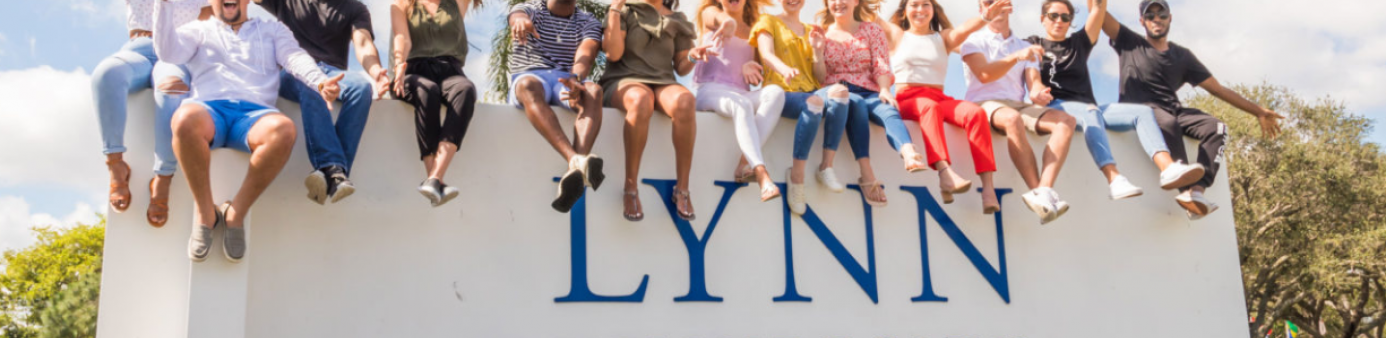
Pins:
<point x="570" y="189"/>
<point x="338" y="186"/>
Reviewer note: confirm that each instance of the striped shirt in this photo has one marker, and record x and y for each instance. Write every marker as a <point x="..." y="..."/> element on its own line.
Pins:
<point x="558" y="40"/>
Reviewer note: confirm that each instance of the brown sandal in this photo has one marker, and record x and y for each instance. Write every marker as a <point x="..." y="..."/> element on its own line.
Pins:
<point x="747" y="176"/>
<point x="682" y="202"/>
<point x="632" y="201"/>
<point x="158" y="208"/>
<point x="120" y="202"/>
<point x="916" y="164"/>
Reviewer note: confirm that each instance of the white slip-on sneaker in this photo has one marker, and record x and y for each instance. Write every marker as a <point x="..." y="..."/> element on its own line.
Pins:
<point x="798" y="203"/>
<point x="1121" y="188"/>
<point x="828" y="178"/>
<point x="1060" y="206"/>
<point x="1179" y="175"/>
<point x="317" y="186"/>
<point x="1039" y="204"/>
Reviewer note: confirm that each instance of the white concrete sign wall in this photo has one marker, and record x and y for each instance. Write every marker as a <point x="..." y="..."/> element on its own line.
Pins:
<point x="498" y="262"/>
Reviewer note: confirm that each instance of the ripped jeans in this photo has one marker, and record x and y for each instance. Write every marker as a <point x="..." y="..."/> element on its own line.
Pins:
<point x="132" y="69"/>
<point x="834" y="111"/>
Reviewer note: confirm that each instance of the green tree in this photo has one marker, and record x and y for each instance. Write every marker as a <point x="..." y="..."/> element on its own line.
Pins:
<point x="501" y="50"/>
<point x="1310" y="209"/>
<point x="57" y="278"/>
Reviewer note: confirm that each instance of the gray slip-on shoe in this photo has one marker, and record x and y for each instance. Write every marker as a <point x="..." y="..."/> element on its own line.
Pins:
<point x="233" y="239"/>
<point x="200" y="242"/>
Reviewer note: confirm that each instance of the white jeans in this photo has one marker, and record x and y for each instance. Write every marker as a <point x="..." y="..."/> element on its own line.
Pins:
<point x="754" y="113"/>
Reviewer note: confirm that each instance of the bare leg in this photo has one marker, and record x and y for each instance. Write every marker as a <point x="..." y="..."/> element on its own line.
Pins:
<point x="678" y="102"/>
<point x="796" y="174"/>
<point x="446" y="151"/>
<point x="530" y="92"/>
<point x="1060" y="127"/>
<point x="193" y="131"/>
<point x="1008" y="121"/>
<point x="589" y="119"/>
<point x="1163" y="160"/>
<point x="271" y="141"/>
<point x="989" y="201"/>
<point x="637" y="100"/>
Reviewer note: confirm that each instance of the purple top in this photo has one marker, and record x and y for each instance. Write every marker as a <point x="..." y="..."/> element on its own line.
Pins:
<point x="726" y="68"/>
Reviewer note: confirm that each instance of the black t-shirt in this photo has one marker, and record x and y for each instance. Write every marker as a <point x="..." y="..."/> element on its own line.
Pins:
<point x="322" y="27"/>
<point x="1153" y="77"/>
<point x="1065" y="67"/>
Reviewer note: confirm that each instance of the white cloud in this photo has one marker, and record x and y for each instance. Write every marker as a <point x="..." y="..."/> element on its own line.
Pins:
<point x="16" y="221"/>
<point x="50" y="135"/>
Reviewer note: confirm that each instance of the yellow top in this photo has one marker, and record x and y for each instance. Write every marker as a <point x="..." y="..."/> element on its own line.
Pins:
<point x="791" y="48"/>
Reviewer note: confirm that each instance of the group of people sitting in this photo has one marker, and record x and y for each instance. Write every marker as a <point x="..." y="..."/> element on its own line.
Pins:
<point x="217" y="75"/>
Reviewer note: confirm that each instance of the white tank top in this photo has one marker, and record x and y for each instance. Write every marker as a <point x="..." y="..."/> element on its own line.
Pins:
<point x="921" y="59"/>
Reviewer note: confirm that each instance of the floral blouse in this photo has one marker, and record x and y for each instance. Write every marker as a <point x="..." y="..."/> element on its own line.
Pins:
<point x="859" y="61"/>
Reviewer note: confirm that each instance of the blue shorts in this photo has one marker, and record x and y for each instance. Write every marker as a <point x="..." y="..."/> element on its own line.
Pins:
<point x="553" y="90"/>
<point x="232" y="120"/>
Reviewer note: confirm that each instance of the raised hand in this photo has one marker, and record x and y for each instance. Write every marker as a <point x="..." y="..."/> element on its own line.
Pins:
<point x="521" y="29"/>
<point x="1270" y="124"/>
<point x="996" y="10"/>
<point x="817" y="39"/>
<point x="399" y="78"/>
<point x="752" y="72"/>
<point x="330" y="89"/>
<point x="575" y="91"/>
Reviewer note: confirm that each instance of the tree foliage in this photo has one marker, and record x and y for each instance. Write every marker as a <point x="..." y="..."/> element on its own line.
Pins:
<point x="1310" y="208"/>
<point x="50" y="288"/>
<point x="501" y="49"/>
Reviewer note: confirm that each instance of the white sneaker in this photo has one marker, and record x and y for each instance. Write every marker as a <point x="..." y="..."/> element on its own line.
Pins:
<point x="1060" y="206"/>
<point x="798" y="203"/>
<point x="829" y="179"/>
<point x="1194" y="217"/>
<point x="1121" y="188"/>
<point x="1040" y="204"/>
<point x="1179" y="175"/>
<point x="1194" y="203"/>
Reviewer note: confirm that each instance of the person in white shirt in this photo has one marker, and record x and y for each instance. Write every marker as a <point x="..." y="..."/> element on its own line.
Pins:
<point x="1001" y="68"/>
<point x="235" y="64"/>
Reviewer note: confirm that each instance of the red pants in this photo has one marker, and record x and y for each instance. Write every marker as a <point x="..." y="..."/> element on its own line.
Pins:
<point x="931" y="108"/>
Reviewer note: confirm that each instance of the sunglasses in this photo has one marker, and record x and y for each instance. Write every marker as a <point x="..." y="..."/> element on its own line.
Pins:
<point x="1153" y="16"/>
<point x="1060" y="17"/>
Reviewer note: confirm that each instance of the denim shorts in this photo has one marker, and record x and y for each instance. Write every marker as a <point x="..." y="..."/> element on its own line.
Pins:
<point x="554" y="91"/>
<point x="233" y="120"/>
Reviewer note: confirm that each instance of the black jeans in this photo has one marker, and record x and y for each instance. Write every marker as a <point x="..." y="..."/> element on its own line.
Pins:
<point x="1210" y="132"/>
<point x="428" y="83"/>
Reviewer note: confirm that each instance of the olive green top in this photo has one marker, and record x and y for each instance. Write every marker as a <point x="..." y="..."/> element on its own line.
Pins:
<point x="652" y="40"/>
<point x="439" y="34"/>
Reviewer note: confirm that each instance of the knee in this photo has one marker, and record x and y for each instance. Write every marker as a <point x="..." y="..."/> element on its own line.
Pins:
<point x="815" y="105"/>
<point x="1065" y="121"/>
<point x="111" y="71"/>
<point x="772" y="92"/>
<point x="594" y="91"/>
<point x="1008" y="121"/>
<point x="173" y="85"/>
<point x="279" y="129"/>
<point x="639" y="101"/>
<point x="191" y="122"/>
<point x="838" y="93"/>
<point x="528" y="87"/>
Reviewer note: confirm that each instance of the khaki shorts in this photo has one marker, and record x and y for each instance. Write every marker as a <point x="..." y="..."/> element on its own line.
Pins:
<point x="1029" y="114"/>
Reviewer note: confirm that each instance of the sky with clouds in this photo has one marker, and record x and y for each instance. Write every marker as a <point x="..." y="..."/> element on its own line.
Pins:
<point x="53" y="172"/>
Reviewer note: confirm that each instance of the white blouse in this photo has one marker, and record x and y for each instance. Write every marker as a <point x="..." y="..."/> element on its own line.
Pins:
<point x="140" y="13"/>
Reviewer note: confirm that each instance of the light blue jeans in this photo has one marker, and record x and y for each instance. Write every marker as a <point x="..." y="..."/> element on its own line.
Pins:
<point x="1095" y="121"/>
<point x="135" y="68"/>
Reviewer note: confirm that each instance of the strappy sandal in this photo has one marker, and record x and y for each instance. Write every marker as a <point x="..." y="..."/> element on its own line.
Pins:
<point x="158" y="207"/>
<point x="632" y="201"/>
<point x="747" y="176"/>
<point x="681" y="199"/>
<point x="774" y="192"/>
<point x="124" y="183"/>
<point x="916" y="164"/>
<point x="868" y="187"/>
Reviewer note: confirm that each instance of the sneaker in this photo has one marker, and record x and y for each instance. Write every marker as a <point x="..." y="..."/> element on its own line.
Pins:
<point x="1040" y="203"/>
<point x="570" y="189"/>
<point x="591" y="168"/>
<point x="200" y="242"/>
<point x="1194" y="217"/>
<point x="1179" y="175"/>
<point x="233" y="239"/>
<point x="1194" y="203"/>
<point x="829" y="179"/>
<point x="448" y="193"/>
<point x="798" y="203"/>
<point x="1060" y="206"/>
<point x="432" y="190"/>
<point x="317" y="186"/>
<point x="1121" y="188"/>
<point x="339" y="186"/>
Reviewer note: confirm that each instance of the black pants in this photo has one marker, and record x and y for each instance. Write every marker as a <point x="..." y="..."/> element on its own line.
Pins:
<point x="428" y="83"/>
<point x="1210" y="132"/>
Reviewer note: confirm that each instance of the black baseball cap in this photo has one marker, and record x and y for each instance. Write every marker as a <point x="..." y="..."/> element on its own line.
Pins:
<point x="1145" y="4"/>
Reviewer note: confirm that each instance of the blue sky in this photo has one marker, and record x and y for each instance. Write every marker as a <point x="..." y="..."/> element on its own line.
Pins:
<point x="55" y="43"/>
